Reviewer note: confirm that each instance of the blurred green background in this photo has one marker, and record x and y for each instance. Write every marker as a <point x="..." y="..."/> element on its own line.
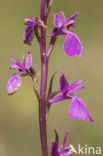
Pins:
<point x="19" y="130"/>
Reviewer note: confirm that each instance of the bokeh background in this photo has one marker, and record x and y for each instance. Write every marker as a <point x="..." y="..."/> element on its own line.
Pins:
<point x="19" y="129"/>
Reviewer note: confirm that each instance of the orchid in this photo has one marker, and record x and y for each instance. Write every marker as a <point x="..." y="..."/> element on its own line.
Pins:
<point x="72" y="44"/>
<point x="78" y="109"/>
<point x="63" y="151"/>
<point x="31" y="23"/>
<point x="36" y="27"/>
<point x="15" y="82"/>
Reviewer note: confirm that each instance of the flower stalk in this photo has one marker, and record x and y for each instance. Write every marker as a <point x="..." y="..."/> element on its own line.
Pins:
<point x="44" y="74"/>
<point x="42" y="107"/>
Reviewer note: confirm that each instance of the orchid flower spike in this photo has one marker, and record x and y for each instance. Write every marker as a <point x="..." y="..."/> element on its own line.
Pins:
<point x="63" y="151"/>
<point x="72" y="44"/>
<point x="15" y="82"/>
<point x="78" y="109"/>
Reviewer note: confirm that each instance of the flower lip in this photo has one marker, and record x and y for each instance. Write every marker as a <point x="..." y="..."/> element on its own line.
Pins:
<point x="72" y="45"/>
<point x="13" y="84"/>
<point x="29" y="35"/>
<point x="78" y="110"/>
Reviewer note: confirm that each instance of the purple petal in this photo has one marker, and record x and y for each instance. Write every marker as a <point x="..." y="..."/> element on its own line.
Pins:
<point x="57" y="21"/>
<point x="31" y="21"/>
<point x="54" y="149"/>
<point x="65" y="139"/>
<point x="64" y="84"/>
<point x="75" y="86"/>
<point x="63" y="18"/>
<point x="18" y="65"/>
<point x="15" y="66"/>
<point x="77" y="82"/>
<point x="72" y="45"/>
<point x="29" y="35"/>
<point x="28" y="61"/>
<point x="75" y="89"/>
<point x="13" y="84"/>
<point x="69" y="23"/>
<point x="78" y="110"/>
<point x="73" y="16"/>
<point x="57" y="99"/>
<point x="14" y="60"/>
